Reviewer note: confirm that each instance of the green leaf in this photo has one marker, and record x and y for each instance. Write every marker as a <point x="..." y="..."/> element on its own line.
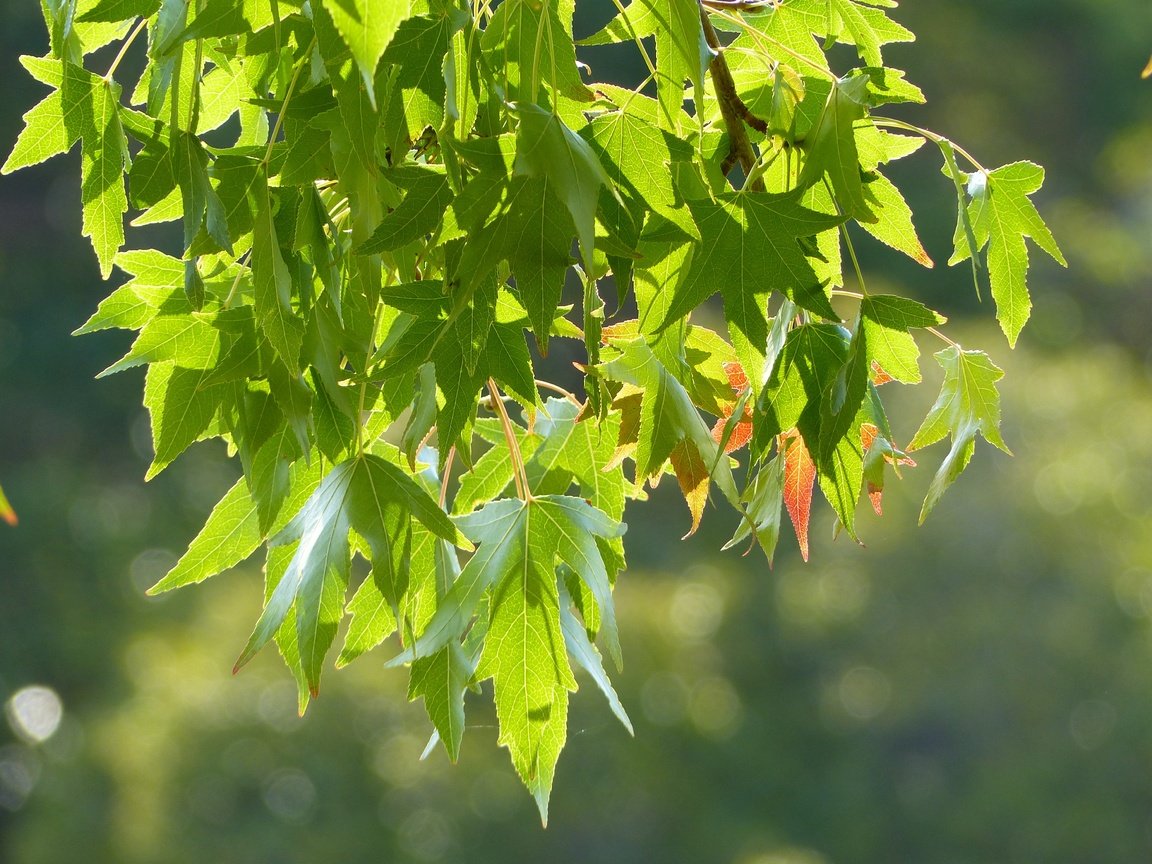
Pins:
<point x="273" y="283"/>
<point x="968" y="403"/>
<point x="103" y="157"/>
<point x="120" y="10"/>
<point x="832" y="149"/>
<point x="547" y="148"/>
<point x="441" y="680"/>
<point x="367" y="27"/>
<point x="355" y="494"/>
<point x="189" y="339"/>
<point x="418" y="214"/>
<point x="46" y="133"/>
<point x="748" y="248"/>
<point x="1002" y="216"/>
<point x="531" y="43"/>
<point x="886" y="320"/>
<point x="182" y="406"/>
<point x="231" y="534"/>
<point x="667" y="416"/>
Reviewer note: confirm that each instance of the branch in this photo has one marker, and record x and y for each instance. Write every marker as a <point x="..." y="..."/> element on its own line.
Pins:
<point x="732" y="108"/>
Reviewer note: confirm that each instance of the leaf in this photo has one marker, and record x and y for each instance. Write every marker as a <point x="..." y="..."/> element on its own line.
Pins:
<point x="120" y="10"/>
<point x="878" y="452"/>
<point x="799" y="478"/>
<point x="894" y="226"/>
<point x="581" y="649"/>
<point x="353" y="495"/>
<point x="231" y="534"/>
<point x="748" y="248"/>
<point x="886" y="320"/>
<point x="532" y="42"/>
<point x="533" y="231"/>
<point x="546" y="148"/>
<point x="103" y="157"/>
<point x="667" y="416"/>
<point x="418" y="214"/>
<point x="968" y="403"/>
<point x="832" y="148"/>
<point x="764" y="495"/>
<point x="367" y="27"/>
<point x="273" y="283"/>
<point x="182" y="406"/>
<point x="441" y="680"/>
<point x="692" y="475"/>
<point x="1002" y="216"/>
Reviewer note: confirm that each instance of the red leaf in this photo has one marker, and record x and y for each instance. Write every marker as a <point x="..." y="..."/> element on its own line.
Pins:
<point x="799" y="476"/>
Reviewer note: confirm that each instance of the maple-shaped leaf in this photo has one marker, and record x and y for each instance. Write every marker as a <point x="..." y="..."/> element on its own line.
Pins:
<point x="355" y="494"/>
<point x="878" y="452"/>
<point x="892" y="351"/>
<point x="799" y="478"/>
<point x="667" y="416"/>
<point x="832" y="149"/>
<point x="968" y="403"/>
<point x="519" y="545"/>
<point x="547" y="148"/>
<point x="1002" y="215"/>
<point x="527" y="39"/>
<point x="749" y="248"/>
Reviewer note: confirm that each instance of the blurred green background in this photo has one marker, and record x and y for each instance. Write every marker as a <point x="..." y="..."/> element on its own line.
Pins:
<point x="976" y="690"/>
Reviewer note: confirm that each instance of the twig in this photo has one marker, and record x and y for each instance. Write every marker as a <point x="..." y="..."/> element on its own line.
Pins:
<point x="732" y="109"/>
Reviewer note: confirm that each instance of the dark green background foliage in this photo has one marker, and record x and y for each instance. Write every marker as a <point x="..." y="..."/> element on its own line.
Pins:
<point x="972" y="690"/>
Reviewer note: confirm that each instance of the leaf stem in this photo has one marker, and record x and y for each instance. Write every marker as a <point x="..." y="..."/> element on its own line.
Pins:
<point x="556" y="388"/>
<point x="927" y="134"/>
<point x="287" y="98"/>
<point x="941" y="336"/>
<point x="444" y="480"/>
<point x="125" y="45"/>
<point x="519" y="474"/>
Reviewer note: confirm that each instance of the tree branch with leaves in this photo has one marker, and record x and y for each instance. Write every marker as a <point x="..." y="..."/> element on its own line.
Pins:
<point x="385" y="206"/>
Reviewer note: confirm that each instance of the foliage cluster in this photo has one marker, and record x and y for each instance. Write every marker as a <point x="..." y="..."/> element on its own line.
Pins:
<point x="386" y="206"/>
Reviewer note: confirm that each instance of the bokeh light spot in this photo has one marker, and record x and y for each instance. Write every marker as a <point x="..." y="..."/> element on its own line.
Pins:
<point x="34" y="713"/>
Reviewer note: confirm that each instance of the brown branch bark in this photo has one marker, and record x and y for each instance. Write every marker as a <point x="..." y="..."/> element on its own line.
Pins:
<point x="732" y="108"/>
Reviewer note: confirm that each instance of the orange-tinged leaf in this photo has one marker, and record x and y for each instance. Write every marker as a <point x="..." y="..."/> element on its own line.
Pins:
<point x="1147" y="73"/>
<point x="874" y="462"/>
<point x="692" y="474"/>
<point x="736" y="376"/>
<point x="6" y="511"/>
<point x="799" y="476"/>
<point x="741" y="434"/>
<point x="879" y="376"/>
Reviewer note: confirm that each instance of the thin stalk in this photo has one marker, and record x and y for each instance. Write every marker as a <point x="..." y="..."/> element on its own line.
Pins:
<point x="287" y="98"/>
<point x="929" y="135"/>
<point x="519" y="474"/>
<point x="556" y="388"/>
<point x="447" y="474"/>
<point x="136" y="31"/>
<point x="942" y="337"/>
